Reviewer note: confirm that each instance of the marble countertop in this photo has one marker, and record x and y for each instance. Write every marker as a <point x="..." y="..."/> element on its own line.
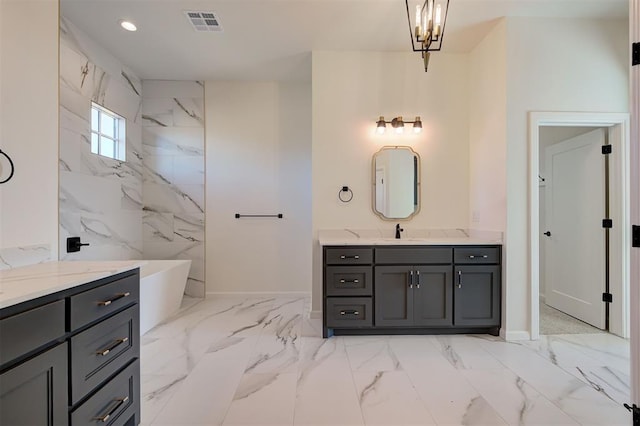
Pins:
<point x="30" y="282"/>
<point x="352" y="237"/>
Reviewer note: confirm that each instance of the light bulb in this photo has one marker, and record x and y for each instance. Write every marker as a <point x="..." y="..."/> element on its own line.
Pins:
<point x="381" y="125"/>
<point x="418" y="16"/>
<point x="400" y="129"/>
<point x="127" y="25"/>
<point x="438" y="15"/>
<point x="417" y="125"/>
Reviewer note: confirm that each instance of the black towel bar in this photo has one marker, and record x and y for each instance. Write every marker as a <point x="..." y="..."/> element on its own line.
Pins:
<point x="279" y="215"/>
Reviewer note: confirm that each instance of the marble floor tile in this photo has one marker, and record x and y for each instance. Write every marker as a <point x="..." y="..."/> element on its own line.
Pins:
<point x="371" y="353"/>
<point x="205" y="395"/>
<point x="263" y="399"/>
<point x="514" y="399"/>
<point x="156" y="391"/>
<point x="388" y="398"/>
<point x="262" y="361"/>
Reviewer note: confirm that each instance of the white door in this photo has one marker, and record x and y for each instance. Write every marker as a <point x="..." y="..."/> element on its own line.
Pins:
<point x="575" y="207"/>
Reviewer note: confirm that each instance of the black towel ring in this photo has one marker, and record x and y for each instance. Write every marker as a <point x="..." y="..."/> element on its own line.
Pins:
<point x="345" y="198"/>
<point x="10" y="164"/>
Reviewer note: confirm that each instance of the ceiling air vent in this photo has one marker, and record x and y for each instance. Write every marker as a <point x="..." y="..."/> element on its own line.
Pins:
<point x="203" y="21"/>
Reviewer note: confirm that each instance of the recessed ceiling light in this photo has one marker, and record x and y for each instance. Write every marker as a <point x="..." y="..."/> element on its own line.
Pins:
<point x="128" y="25"/>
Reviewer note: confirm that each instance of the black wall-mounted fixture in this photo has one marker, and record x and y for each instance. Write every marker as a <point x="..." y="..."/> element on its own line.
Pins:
<point x="345" y="194"/>
<point x="11" y="167"/>
<point x="398" y="125"/>
<point x="74" y="244"/>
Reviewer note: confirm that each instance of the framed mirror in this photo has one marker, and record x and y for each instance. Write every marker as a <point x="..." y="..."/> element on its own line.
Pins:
<point x="396" y="182"/>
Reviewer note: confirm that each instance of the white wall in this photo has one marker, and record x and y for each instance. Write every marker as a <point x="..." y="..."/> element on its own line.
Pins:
<point x="487" y="131"/>
<point x="350" y="91"/>
<point x="29" y="122"/>
<point x="584" y="68"/>
<point x="258" y="151"/>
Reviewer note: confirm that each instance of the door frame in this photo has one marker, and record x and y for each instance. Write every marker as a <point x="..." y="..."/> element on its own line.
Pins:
<point x="619" y="199"/>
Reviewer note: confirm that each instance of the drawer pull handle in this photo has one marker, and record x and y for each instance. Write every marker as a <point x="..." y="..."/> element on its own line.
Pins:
<point x="349" y="281"/>
<point x="114" y="345"/>
<point x="349" y="257"/>
<point x="118" y="403"/>
<point x="349" y="313"/>
<point x="117" y="297"/>
<point x="459" y="279"/>
<point x="484" y="256"/>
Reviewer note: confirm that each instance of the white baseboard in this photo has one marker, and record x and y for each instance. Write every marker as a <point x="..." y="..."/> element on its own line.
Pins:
<point x="315" y="314"/>
<point x="517" y="335"/>
<point x="259" y="294"/>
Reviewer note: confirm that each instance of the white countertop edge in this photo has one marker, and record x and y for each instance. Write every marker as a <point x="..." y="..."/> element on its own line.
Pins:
<point x="347" y="237"/>
<point x="26" y="283"/>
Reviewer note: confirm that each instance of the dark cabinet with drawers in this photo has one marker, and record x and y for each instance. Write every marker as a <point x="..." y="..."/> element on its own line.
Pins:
<point x="411" y="289"/>
<point x="72" y="357"/>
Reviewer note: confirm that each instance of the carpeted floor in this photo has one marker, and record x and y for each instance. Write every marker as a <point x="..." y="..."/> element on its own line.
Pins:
<point x="553" y="321"/>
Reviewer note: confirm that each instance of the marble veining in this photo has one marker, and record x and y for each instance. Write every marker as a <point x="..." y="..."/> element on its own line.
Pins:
<point x="15" y="257"/>
<point x="173" y="180"/>
<point x="252" y="360"/>
<point x="29" y="282"/>
<point x="101" y="199"/>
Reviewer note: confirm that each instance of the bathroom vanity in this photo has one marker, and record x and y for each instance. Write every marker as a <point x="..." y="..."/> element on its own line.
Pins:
<point x="414" y="286"/>
<point x="70" y="344"/>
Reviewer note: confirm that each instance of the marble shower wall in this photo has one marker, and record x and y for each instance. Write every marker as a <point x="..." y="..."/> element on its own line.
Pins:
<point x="100" y="198"/>
<point x="174" y="164"/>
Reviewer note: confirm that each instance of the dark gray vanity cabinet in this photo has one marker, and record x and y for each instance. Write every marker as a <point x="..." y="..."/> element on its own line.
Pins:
<point x="348" y="287"/>
<point x="413" y="296"/>
<point x="35" y="392"/>
<point x="72" y="357"/>
<point x="412" y="289"/>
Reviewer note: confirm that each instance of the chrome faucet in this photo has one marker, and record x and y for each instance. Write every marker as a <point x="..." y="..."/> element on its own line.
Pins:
<point x="398" y="231"/>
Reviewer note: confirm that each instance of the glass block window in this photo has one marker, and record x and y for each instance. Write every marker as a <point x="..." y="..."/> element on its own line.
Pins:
<point x="108" y="133"/>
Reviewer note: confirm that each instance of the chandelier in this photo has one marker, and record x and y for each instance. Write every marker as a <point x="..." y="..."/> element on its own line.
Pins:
<point x="428" y="31"/>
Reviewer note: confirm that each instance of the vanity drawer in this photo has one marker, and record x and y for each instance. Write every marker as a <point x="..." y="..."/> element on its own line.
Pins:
<point x="115" y="403"/>
<point x="348" y="256"/>
<point x="96" y="303"/>
<point x="349" y="280"/>
<point x="26" y="331"/>
<point x="349" y="312"/>
<point x="413" y="255"/>
<point x="476" y="254"/>
<point x="98" y="352"/>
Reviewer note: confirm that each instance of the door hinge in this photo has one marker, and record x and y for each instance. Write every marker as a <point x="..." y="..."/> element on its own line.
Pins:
<point x="607" y="223"/>
<point x="635" y="410"/>
<point x="635" y="53"/>
<point x="607" y="297"/>
<point x="635" y="235"/>
<point x="606" y="149"/>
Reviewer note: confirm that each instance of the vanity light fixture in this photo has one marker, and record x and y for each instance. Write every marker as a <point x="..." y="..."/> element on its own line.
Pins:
<point x="128" y="25"/>
<point x="398" y="125"/>
<point x="428" y="30"/>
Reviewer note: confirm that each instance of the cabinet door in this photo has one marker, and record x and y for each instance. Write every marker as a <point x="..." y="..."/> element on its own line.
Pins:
<point x="477" y="296"/>
<point x="393" y="297"/>
<point x="433" y="296"/>
<point x="35" y="392"/>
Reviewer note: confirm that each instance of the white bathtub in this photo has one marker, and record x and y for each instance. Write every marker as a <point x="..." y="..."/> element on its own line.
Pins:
<point x="162" y="284"/>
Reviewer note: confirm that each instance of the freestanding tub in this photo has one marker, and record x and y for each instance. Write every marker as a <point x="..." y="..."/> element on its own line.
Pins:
<point x="162" y="284"/>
